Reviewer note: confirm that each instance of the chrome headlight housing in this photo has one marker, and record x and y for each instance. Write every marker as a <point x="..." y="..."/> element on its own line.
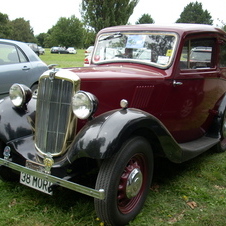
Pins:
<point x="84" y="104"/>
<point x="20" y="95"/>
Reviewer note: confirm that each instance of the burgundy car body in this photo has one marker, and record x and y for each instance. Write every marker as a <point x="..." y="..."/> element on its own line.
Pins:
<point x="171" y="106"/>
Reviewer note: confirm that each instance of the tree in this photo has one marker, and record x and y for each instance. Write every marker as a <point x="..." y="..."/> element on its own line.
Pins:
<point x="67" y="32"/>
<point x="22" y="31"/>
<point x="104" y="13"/>
<point x="145" y="19"/>
<point x="41" y="39"/>
<point x="5" y="28"/>
<point x="194" y="13"/>
<point x="89" y="38"/>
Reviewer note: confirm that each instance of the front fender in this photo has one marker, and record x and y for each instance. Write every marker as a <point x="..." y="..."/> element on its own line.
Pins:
<point x="14" y="122"/>
<point x="104" y="135"/>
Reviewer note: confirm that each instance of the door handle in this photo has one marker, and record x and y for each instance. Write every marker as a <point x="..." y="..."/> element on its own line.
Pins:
<point x="175" y="83"/>
<point x="25" y="68"/>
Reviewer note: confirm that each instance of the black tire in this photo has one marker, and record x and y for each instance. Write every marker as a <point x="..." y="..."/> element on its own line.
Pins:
<point x="221" y="146"/>
<point x="34" y="90"/>
<point x="122" y="202"/>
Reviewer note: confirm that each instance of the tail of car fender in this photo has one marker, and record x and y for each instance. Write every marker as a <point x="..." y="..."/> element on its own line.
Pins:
<point x="103" y="136"/>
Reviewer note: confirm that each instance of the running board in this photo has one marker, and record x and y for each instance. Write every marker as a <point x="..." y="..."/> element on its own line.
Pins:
<point x="197" y="147"/>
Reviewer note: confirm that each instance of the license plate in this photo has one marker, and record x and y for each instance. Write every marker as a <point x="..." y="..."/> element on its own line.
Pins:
<point x="35" y="182"/>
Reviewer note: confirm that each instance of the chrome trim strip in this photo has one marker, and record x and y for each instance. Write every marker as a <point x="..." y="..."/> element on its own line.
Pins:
<point x="98" y="194"/>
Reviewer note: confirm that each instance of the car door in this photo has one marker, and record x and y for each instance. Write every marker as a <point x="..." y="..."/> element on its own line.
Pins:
<point x="194" y="90"/>
<point x="14" y="67"/>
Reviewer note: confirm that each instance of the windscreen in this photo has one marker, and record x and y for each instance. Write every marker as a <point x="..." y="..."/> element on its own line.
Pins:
<point x="156" y="48"/>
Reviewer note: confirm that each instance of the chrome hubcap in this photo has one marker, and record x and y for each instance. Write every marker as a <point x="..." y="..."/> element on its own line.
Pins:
<point x="134" y="183"/>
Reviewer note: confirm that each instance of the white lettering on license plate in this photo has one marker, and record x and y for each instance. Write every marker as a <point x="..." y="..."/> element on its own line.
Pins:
<point x="35" y="182"/>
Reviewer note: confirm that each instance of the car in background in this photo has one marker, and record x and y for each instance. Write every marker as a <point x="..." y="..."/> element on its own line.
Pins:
<point x="71" y="50"/>
<point x="60" y="50"/>
<point x="18" y="64"/>
<point x="41" y="50"/>
<point x="34" y="47"/>
<point x="89" y="50"/>
<point x="201" y="56"/>
<point x="87" y="60"/>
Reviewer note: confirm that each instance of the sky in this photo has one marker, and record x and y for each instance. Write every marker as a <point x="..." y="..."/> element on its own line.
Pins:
<point x="43" y="14"/>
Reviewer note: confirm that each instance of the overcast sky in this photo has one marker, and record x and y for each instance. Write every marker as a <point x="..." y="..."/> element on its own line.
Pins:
<point x="43" y="14"/>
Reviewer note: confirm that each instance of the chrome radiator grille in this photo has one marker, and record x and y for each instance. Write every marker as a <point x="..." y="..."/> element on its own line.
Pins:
<point x="54" y="115"/>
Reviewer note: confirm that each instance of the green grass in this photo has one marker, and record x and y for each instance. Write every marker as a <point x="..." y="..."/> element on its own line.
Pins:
<point x="64" y="60"/>
<point x="193" y="193"/>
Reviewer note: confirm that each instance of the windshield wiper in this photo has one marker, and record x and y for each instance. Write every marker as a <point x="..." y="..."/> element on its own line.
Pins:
<point x="116" y="35"/>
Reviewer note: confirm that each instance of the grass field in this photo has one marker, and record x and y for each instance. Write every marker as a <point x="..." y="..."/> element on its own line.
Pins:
<point x="193" y="193"/>
<point x="64" y="60"/>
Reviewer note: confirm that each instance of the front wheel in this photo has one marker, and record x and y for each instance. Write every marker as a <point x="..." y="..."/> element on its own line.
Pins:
<point x="126" y="179"/>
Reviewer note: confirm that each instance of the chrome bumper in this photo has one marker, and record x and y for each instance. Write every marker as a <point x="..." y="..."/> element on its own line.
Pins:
<point x="98" y="194"/>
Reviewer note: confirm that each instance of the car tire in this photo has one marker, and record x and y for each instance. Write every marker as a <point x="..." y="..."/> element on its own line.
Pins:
<point x="221" y="146"/>
<point x="126" y="179"/>
<point x="34" y="90"/>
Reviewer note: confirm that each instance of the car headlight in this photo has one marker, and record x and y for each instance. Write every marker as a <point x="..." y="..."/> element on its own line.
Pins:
<point x="84" y="104"/>
<point x="20" y="95"/>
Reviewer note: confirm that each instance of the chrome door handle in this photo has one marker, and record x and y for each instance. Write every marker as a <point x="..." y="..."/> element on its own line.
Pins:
<point x="175" y="83"/>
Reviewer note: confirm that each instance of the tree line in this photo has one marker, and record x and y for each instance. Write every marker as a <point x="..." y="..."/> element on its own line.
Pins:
<point x="95" y="14"/>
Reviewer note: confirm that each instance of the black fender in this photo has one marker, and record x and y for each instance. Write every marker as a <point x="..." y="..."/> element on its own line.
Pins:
<point x="218" y="116"/>
<point x="16" y="122"/>
<point x="103" y="136"/>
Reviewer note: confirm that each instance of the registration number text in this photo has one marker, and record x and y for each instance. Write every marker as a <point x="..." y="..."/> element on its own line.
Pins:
<point x="35" y="182"/>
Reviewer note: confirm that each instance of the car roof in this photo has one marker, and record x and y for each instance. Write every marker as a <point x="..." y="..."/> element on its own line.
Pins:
<point x="179" y="28"/>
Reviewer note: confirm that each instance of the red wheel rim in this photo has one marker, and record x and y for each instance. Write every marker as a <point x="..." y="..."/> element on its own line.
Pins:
<point x="125" y="204"/>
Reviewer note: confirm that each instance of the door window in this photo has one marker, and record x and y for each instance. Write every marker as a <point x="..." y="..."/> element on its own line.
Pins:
<point x="10" y="54"/>
<point x="197" y="54"/>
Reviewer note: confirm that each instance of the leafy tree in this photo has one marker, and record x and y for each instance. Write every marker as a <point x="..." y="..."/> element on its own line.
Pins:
<point x="5" y="28"/>
<point x="224" y="28"/>
<point x="67" y="32"/>
<point x="41" y="39"/>
<point x="89" y="38"/>
<point x="22" y="31"/>
<point x="194" y="13"/>
<point x="223" y="25"/>
<point x="145" y="19"/>
<point x="104" y="13"/>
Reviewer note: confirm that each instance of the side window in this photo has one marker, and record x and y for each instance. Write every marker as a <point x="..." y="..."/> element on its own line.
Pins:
<point x="197" y="54"/>
<point x="10" y="54"/>
<point x="223" y="54"/>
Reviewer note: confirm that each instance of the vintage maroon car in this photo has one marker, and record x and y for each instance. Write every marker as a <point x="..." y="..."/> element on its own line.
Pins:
<point x="144" y="95"/>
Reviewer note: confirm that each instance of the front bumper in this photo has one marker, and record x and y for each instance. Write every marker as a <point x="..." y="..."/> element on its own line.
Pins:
<point x="98" y="194"/>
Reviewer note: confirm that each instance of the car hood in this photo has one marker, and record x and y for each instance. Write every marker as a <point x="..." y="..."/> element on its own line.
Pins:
<point x="112" y="83"/>
<point x="119" y="72"/>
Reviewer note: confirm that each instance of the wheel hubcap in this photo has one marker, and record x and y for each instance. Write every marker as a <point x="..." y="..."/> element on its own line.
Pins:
<point x="134" y="183"/>
<point x="131" y="183"/>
